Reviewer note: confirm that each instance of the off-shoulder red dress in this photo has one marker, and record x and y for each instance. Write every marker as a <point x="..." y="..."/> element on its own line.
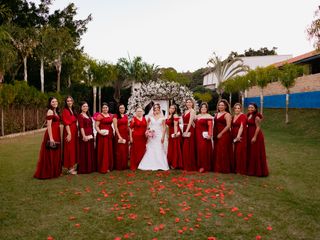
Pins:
<point x="49" y="162"/>
<point x="174" y="154"/>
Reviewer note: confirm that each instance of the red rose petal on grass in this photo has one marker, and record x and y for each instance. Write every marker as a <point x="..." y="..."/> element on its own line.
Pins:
<point x="180" y="231"/>
<point x="246" y="219"/>
<point x="258" y="237"/>
<point x="149" y="223"/>
<point x="177" y="220"/>
<point x="156" y="229"/>
<point x="269" y="228"/>
<point x="191" y="229"/>
<point x="86" y="209"/>
<point x="71" y="218"/>
<point x="119" y="218"/>
<point x="212" y="238"/>
<point x="161" y="226"/>
<point x="234" y="209"/>
<point x="197" y="226"/>
<point x="117" y="238"/>
<point x="250" y="215"/>
<point x="50" y="238"/>
<point x="240" y="214"/>
<point x="77" y="225"/>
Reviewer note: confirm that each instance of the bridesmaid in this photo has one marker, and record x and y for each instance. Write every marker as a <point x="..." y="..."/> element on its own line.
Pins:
<point x="138" y="139"/>
<point x="86" y="160"/>
<point x="120" y="123"/>
<point x="188" y="147"/>
<point x="104" y="140"/>
<point x="222" y="152"/>
<point x="257" y="161"/>
<point x="204" y="139"/>
<point x="239" y="136"/>
<point x="174" y="154"/>
<point x="49" y="163"/>
<point x="70" y="136"/>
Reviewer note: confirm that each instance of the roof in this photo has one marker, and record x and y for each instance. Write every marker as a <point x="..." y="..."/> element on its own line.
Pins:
<point x="300" y="59"/>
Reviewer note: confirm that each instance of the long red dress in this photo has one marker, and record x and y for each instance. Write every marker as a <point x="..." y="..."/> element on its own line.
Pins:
<point x="222" y="151"/>
<point x="138" y="147"/>
<point x="188" y="146"/>
<point x="69" y="148"/>
<point x="105" y="145"/>
<point x="86" y="155"/>
<point x="49" y="163"/>
<point x="121" y="149"/>
<point x="174" y="154"/>
<point x="240" y="147"/>
<point x="204" y="145"/>
<point x="257" y="160"/>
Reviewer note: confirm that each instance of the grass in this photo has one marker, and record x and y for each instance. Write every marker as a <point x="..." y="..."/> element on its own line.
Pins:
<point x="147" y="205"/>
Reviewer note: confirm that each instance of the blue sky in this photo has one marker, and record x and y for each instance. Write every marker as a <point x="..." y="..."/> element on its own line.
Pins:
<point x="184" y="33"/>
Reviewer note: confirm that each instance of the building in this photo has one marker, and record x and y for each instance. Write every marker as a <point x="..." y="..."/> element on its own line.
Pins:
<point x="210" y="81"/>
<point x="304" y="94"/>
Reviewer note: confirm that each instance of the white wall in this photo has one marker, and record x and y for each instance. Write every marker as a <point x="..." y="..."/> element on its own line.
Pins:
<point x="211" y="81"/>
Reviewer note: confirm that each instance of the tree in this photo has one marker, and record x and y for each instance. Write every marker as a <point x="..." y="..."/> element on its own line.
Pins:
<point x="264" y="51"/>
<point x="171" y="75"/>
<point x="24" y="40"/>
<point x="262" y="77"/>
<point x="61" y="43"/>
<point x="7" y="96"/>
<point x="230" y="86"/>
<point x="287" y="76"/>
<point x="314" y="29"/>
<point x="225" y="69"/>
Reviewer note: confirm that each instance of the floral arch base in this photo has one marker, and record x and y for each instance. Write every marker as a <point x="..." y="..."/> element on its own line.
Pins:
<point x="144" y="93"/>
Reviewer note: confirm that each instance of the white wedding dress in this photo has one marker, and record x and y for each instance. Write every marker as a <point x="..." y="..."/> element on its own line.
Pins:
<point x="155" y="157"/>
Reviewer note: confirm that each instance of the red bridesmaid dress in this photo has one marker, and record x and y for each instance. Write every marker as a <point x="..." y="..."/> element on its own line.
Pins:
<point x="105" y="144"/>
<point x="138" y="147"/>
<point x="257" y="160"/>
<point x="174" y="154"/>
<point x="69" y="148"/>
<point x="204" y="145"/>
<point x="86" y="155"/>
<point x="188" y="146"/>
<point x="240" y="147"/>
<point x="49" y="163"/>
<point x="222" y="151"/>
<point x="121" y="149"/>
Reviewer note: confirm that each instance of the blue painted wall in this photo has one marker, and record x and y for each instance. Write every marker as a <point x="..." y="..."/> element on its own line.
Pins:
<point x="297" y="100"/>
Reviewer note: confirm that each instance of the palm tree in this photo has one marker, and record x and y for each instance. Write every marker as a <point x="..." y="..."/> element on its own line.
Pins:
<point x="230" y="86"/>
<point x="288" y="75"/>
<point x="226" y="69"/>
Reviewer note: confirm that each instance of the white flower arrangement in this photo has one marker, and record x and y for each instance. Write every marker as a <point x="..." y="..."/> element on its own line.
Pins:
<point x="159" y="90"/>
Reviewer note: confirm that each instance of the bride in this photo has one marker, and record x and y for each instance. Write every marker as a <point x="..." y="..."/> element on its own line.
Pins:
<point x="155" y="157"/>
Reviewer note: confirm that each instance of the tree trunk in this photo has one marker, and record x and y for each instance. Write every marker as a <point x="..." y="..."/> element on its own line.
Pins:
<point x="69" y="81"/>
<point x="23" y="119"/>
<point x="230" y="99"/>
<point x="58" y="68"/>
<point x="117" y="93"/>
<point x="287" y="106"/>
<point x="25" y="69"/>
<point x="261" y="100"/>
<point x="1" y="77"/>
<point x="242" y="99"/>
<point x="2" y="122"/>
<point x="42" y="74"/>
<point x="99" y="96"/>
<point x="94" y="90"/>
<point x="37" y="117"/>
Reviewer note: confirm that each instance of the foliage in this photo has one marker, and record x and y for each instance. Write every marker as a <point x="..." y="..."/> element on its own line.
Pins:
<point x="314" y="29"/>
<point x="264" y="51"/>
<point x="289" y="73"/>
<point x="171" y="75"/>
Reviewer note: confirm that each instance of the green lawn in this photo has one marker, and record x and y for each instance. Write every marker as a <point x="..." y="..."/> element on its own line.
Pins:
<point x="170" y="205"/>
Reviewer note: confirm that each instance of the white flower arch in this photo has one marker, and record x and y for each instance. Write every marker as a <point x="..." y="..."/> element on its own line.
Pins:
<point x="144" y="93"/>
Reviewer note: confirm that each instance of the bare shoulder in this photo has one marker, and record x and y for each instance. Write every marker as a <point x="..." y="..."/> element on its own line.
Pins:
<point x="49" y="112"/>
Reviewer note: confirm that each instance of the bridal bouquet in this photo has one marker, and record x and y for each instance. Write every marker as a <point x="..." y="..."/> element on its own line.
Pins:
<point x="150" y="133"/>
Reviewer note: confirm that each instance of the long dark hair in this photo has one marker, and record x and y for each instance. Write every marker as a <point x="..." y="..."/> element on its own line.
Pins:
<point x="226" y="103"/>
<point x="81" y="104"/>
<point x="66" y="105"/>
<point x="255" y="112"/>
<point x="172" y="116"/>
<point x="50" y="107"/>
<point x="118" y="111"/>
